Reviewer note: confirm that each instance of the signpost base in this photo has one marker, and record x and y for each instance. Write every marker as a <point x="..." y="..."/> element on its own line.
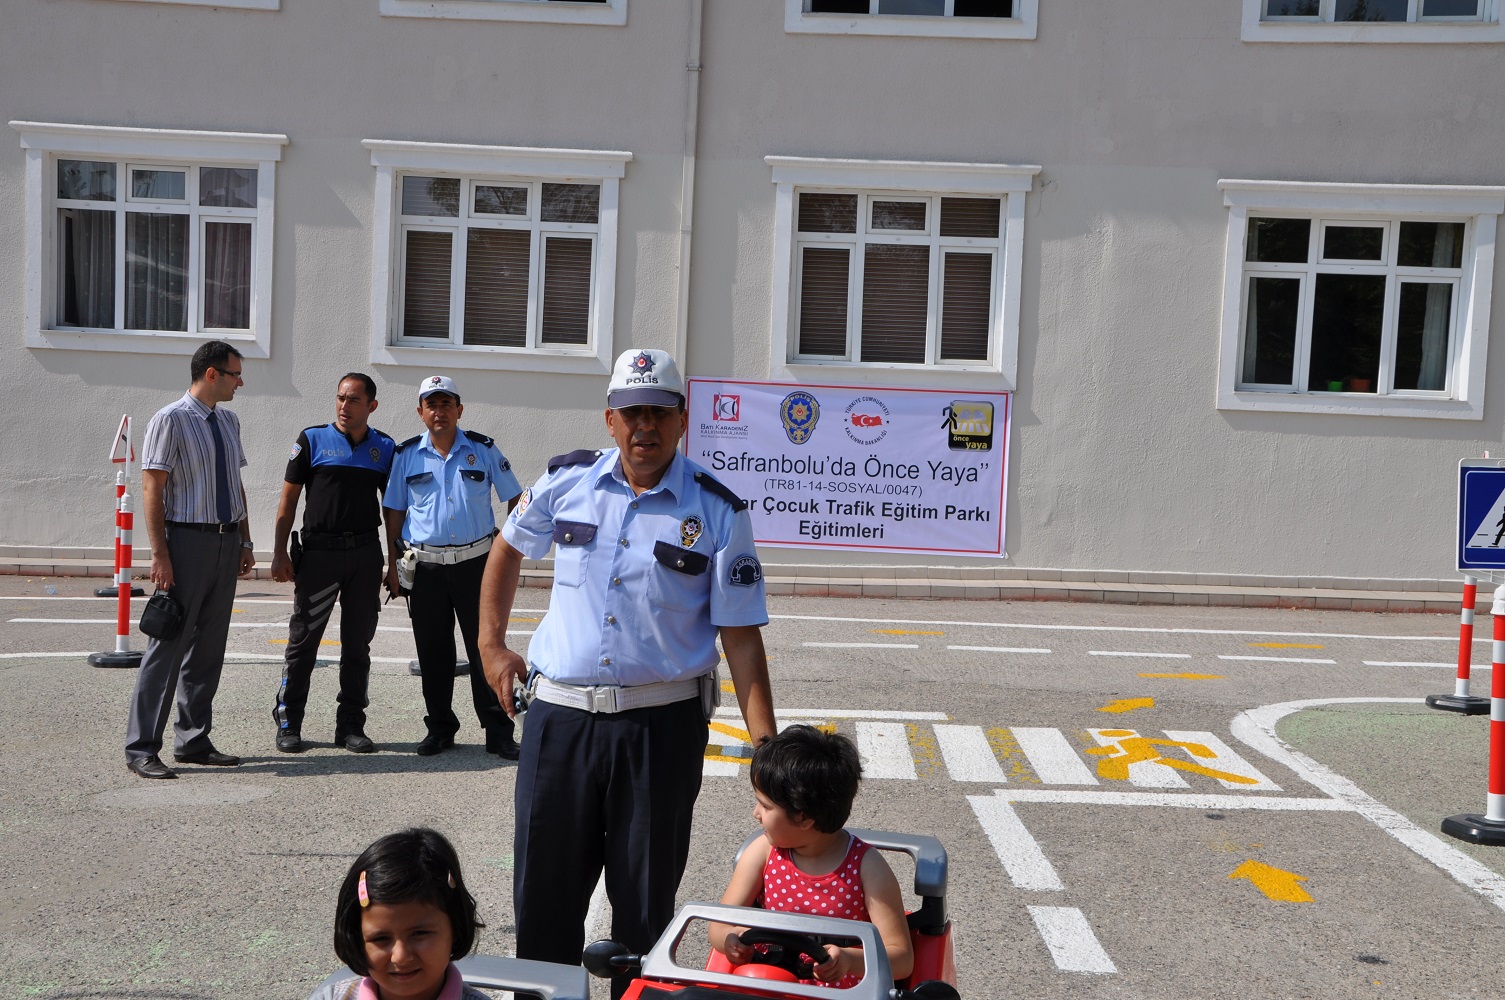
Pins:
<point x="115" y="659"/>
<point x="1463" y="704"/>
<point x="462" y="667"/>
<point x="1475" y="829"/>
<point x="113" y="591"/>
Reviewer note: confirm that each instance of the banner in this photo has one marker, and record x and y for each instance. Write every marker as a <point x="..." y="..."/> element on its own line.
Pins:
<point x="858" y="467"/>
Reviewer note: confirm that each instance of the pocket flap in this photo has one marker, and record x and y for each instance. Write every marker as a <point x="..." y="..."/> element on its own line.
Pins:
<point x="681" y="560"/>
<point x="574" y="533"/>
<point x="421" y="477"/>
<point x="474" y="475"/>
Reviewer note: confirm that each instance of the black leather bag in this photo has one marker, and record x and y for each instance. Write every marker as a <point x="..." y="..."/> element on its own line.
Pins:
<point x="163" y="617"/>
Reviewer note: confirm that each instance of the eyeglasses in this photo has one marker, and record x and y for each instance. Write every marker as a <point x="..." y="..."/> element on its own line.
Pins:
<point x="224" y="371"/>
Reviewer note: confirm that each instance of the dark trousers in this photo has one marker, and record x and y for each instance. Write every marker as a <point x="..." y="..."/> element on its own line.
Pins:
<point x="603" y="791"/>
<point x="352" y="577"/>
<point x="204" y="567"/>
<point x="441" y="597"/>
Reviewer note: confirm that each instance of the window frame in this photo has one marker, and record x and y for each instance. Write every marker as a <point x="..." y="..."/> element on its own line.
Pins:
<point x="1022" y="26"/>
<point x="491" y="165"/>
<point x="611" y="12"/>
<point x="46" y="143"/>
<point x="1321" y="28"/>
<point x="1478" y="207"/>
<point x="241" y="4"/>
<point x="900" y="180"/>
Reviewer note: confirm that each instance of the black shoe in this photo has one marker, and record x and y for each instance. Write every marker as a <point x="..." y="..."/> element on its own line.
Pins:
<point x="210" y="757"/>
<point x="150" y="767"/>
<point x="355" y="743"/>
<point x="434" y="743"/>
<point x="290" y="741"/>
<point x="505" y="748"/>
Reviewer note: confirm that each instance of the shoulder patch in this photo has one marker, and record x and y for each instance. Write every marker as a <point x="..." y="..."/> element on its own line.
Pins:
<point x="746" y="571"/>
<point x="410" y="442"/>
<point x="480" y="438"/>
<point x="580" y="456"/>
<point x="711" y="484"/>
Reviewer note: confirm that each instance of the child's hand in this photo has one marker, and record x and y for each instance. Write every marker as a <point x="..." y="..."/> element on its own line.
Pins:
<point x="839" y="963"/>
<point x="735" y="951"/>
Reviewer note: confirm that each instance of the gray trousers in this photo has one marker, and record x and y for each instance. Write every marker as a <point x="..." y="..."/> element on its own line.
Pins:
<point x="204" y="567"/>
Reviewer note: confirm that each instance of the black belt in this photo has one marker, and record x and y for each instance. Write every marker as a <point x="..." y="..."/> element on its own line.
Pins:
<point x="344" y="540"/>
<point x="212" y="526"/>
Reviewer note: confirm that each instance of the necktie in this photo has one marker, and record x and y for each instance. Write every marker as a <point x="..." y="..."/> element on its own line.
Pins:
<point x="221" y="473"/>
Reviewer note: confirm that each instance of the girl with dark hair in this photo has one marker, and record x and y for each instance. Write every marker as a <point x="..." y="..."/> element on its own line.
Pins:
<point x="402" y="917"/>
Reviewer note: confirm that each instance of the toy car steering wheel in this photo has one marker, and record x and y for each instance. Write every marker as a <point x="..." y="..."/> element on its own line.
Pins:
<point x="783" y="954"/>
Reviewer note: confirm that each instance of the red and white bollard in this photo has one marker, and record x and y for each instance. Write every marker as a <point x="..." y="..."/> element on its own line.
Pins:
<point x="1490" y="828"/>
<point x="121" y="656"/>
<point x="1460" y="700"/>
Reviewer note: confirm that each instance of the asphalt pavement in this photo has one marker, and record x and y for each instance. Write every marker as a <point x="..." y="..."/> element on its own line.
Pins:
<point x="1137" y="801"/>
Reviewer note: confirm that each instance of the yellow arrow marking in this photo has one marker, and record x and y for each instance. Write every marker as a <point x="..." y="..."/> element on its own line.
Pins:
<point x="1284" y="645"/>
<point x="322" y="642"/>
<point x="900" y="631"/>
<point x="1127" y="705"/>
<point x="1275" y="883"/>
<point x="732" y="731"/>
<point x="1189" y="677"/>
<point x="525" y="619"/>
<point x="727" y="687"/>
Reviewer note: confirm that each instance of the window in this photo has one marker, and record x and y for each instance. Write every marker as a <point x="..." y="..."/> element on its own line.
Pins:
<point x="950" y="18"/>
<point x="1372" y="21"/>
<point x="247" y="4"/>
<point x="504" y="256"/>
<point x="898" y="265"/>
<point x="148" y="240"/>
<point x="1357" y="298"/>
<point x="562" y="11"/>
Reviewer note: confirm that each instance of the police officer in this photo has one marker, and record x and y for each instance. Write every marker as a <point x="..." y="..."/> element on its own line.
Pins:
<point x="653" y="559"/>
<point x="438" y="505"/>
<point x="344" y="465"/>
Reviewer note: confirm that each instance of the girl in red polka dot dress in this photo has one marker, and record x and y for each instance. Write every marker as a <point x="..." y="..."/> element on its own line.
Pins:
<point x="804" y="781"/>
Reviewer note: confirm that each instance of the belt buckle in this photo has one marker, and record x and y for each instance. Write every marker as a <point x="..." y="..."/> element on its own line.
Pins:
<point x="603" y="699"/>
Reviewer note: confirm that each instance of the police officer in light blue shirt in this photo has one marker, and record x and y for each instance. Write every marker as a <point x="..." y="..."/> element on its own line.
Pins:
<point x="653" y="560"/>
<point x="438" y="507"/>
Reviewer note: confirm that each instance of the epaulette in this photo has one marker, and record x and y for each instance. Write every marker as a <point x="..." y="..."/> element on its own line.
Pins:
<point x="382" y="434"/>
<point x="481" y="438"/>
<point x="580" y="456"/>
<point x="313" y="427"/>
<point x="410" y="441"/>
<point x="713" y="485"/>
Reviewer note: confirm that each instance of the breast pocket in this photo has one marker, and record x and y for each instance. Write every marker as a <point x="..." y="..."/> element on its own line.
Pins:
<point x="423" y="488"/>
<point x="475" y="483"/>
<point x="573" y="543"/>
<point x="679" y="580"/>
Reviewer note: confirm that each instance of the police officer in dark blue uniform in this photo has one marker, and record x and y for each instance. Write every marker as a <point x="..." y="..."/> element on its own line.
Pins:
<point x="653" y="562"/>
<point x="438" y="511"/>
<point x="344" y="466"/>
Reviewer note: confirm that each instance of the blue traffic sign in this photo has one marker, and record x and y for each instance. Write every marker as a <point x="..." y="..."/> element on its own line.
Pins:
<point x="1481" y="514"/>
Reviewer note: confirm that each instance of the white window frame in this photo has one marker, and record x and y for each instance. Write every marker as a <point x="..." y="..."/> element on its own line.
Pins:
<point x="612" y="12"/>
<point x="1477" y="206"/>
<point x="47" y="142"/>
<point x="499" y="165"/>
<point x="900" y="179"/>
<point x="243" y="4"/>
<point x="1323" y="28"/>
<point x="1023" y="25"/>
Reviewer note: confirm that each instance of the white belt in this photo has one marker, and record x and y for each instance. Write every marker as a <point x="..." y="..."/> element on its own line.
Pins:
<point x="448" y="555"/>
<point x="609" y="699"/>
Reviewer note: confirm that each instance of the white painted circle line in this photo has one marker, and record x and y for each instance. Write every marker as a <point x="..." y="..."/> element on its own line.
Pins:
<point x="998" y="649"/>
<point x="1147" y="656"/>
<point x="1278" y="659"/>
<point x="860" y="645"/>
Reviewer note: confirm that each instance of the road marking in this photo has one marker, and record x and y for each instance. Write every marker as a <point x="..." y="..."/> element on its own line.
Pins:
<point x="1140" y="761"/>
<point x="1276" y="883"/>
<point x="28" y="656"/>
<point x="1277" y="659"/>
<point x="1190" y="677"/>
<point x="998" y="649"/>
<point x="1415" y="663"/>
<point x="1224" y="759"/>
<point x="322" y="642"/>
<point x="1019" y="853"/>
<point x="860" y="645"/>
<point x="1051" y="757"/>
<point x="1127" y="705"/>
<point x="843" y="713"/>
<point x="1256" y="728"/>
<point x="1073" y="946"/>
<point x="1171" y="800"/>
<point x="1153" y="656"/>
<point x="884" y="747"/>
<point x="968" y="755"/>
<point x="1286" y="645"/>
<point x="900" y="631"/>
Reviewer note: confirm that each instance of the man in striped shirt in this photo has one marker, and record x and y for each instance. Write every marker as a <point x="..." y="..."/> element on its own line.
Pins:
<point x="200" y="536"/>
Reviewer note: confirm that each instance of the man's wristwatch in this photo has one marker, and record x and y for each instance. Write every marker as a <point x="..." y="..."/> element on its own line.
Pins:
<point x="247" y="545"/>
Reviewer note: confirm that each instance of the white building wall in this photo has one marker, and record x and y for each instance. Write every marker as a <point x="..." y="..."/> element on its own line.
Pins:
<point x="1121" y="459"/>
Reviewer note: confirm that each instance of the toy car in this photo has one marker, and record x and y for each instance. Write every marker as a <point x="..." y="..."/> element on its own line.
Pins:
<point x="788" y="936"/>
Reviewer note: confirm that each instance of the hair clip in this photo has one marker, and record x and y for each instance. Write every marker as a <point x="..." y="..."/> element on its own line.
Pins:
<point x="360" y="891"/>
<point x="451" y="879"/>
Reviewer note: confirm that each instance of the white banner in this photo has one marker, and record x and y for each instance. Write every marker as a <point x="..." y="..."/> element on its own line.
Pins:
<point x="857" y="467"/>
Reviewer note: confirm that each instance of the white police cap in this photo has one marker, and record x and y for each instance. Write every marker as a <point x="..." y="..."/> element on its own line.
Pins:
<point x="645" y="377"/>
<point x="437" y="383"/>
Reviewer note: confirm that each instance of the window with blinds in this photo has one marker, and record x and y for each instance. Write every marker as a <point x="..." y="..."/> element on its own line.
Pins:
<point x="496" y="264"/>
<point x="897" y="279"/>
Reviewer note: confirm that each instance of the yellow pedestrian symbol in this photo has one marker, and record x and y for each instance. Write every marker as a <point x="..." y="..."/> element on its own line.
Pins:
<point x="1131" y="748"/>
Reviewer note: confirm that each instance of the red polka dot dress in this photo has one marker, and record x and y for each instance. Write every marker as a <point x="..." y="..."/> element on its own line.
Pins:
<point x="836" y="894"/>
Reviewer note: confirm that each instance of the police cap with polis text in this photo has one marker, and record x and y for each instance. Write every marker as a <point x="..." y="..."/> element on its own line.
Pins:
<point x="438" y="383"/>
<point x="645" y="377"/>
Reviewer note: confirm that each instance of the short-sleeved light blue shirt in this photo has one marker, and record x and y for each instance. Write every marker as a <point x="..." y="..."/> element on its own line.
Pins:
<point x="448" y="499"/>
<point x="641" y="583"/>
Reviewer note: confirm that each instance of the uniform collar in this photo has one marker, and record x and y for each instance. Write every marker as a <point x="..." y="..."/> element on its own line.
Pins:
<point x="352" y="441"/>
<point x="672" y="483"/>
<point x="462" y="443"/>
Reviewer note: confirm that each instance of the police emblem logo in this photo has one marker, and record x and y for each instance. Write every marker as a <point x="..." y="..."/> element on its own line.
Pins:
<point x="522" y="503"/>
<point x="375" y="454"/>
<point x="436" y="380"/>
<point x="643" y="363"/>
<point x="969" y="425"/>
<point x="690" y="530"/>
<point x="799" y="412"/>
<point x="297" y="450"/>
<point x="470" y="459"/>
<point x="746" y="571"/>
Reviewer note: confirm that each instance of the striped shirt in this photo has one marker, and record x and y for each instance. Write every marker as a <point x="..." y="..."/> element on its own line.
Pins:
<point x="180" y="443"/>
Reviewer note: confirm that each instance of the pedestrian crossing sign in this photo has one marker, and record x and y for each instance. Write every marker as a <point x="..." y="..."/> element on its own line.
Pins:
<point x="1481" y="514"/>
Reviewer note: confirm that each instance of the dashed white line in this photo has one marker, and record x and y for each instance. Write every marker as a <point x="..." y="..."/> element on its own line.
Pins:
<point x="843" y="713"/>
<point x="1149" y="656"/>
<point x="1017" y="850"/>
<point x="1278" y="659"/>
<point x="968" y="755"/>
<point x="31" y="656"/>
<point x="1417" y="663"/>
<point x="1073" y="946"/>
<point x="884" y="747"/>
<point x="860" y="645"/>
<point x="998" y="649"/>
<point x="1051" y="757"/>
